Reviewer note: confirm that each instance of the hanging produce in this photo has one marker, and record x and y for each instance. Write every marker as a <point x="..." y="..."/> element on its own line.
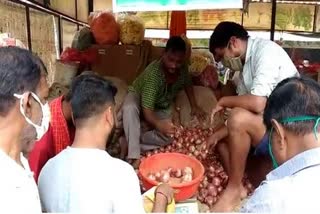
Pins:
<point x="131" y="30"/>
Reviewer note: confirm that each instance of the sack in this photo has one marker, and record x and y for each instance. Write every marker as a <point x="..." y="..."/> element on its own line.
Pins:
<point x="65" y="72"/>
<point x="208" y="78"/>
<point x="57" y="90"/>
<point x="131" y="30"/>
<point x="104" y="27"/>
<point x="83" y="39"/>
<point x="205" y="98"/>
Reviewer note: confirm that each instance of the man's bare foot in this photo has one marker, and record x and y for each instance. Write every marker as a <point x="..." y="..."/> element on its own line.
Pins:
<point x="212" y="141"/>
<point x="229" y="199"/>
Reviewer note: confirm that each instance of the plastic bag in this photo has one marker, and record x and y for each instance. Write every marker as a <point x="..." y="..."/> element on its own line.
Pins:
<point x="197" y="64"/>
<point x="83" y="39"/>
<point x="104" y="27"/>
<point x="131" y="30"/>
<point x="86" y="57"/>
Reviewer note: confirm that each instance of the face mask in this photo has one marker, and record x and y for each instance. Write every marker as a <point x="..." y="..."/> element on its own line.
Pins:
<point x="291" y="120"/>
<point x="43" y="127"/>
<point x="234" y="63"/>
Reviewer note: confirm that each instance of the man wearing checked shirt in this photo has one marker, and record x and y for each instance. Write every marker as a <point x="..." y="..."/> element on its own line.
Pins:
<point x="152" y="94"/>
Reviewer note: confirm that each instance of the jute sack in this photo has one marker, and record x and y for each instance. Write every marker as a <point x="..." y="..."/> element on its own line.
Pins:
<point x="206" y="99"/>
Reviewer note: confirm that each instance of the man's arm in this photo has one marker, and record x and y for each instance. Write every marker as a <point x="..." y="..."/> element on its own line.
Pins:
<point x="251" y="103"/>
<point x="150" y="117"/>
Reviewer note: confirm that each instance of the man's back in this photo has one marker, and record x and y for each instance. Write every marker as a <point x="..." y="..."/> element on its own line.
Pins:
<point x="89" y="181"/>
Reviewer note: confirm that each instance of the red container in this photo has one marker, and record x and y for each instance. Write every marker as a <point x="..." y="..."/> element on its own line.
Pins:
<point x="162" y="161"/>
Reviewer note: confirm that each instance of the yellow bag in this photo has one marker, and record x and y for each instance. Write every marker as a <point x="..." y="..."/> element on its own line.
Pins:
<point x="148" y="201"/>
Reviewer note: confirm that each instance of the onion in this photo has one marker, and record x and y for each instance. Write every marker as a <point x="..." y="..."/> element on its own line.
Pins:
<point x="200" y="198"/>
<point x="187" y="170"/>
<point x="192" y="148"/>
<point x="209" y="201"/>
<point x="212" y="190"/>
<point x="198" y="141"/>
<point x="179" y="145"/>
<point x="176" y="135"/>
<point x="216" y="181"/>
<point x="219" y="170"/>
<point x="165" y="176"/>
<point x="204" y="147"/>
<point x="211" y="175"/>
<point x="148" y="154"/>
<point x="187" y="178"/>
<point x="203" y="155"/>
<point x="204" y="193"/>
<point x="152" y="177"/>
<point x="178" y="173"/>
<point x="211" y="169"/>
<point x="196" y="153"/>
<point x="158" y="175"/>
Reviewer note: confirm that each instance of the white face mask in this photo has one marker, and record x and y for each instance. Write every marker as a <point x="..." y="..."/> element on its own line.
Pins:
<point x="44" y="126"/>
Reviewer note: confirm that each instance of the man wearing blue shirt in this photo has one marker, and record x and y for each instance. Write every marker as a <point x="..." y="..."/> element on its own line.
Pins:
<point x="291" y="116"/>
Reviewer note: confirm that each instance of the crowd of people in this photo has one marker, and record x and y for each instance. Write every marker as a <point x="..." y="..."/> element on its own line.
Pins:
<point x="53" y="156"/>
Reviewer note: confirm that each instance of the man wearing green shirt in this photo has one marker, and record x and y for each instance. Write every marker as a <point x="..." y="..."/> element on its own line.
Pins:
<point x="152" y="94"/>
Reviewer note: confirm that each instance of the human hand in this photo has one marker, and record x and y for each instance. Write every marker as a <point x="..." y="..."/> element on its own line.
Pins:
<point x="199" y="113"/>
<point x="217" y="109"/>
<point x="165" y="190"/>
<point x="166" y="127"/>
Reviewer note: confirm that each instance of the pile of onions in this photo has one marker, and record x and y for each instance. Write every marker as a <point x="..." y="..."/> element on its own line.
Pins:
<point x="188" y="141"/>
<point x="192" y="142"/>
<point x="172" y="176"/>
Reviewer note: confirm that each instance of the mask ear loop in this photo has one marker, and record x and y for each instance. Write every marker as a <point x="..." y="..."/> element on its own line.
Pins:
<point x="274" y="162"/>
<point x="315" y="128"/>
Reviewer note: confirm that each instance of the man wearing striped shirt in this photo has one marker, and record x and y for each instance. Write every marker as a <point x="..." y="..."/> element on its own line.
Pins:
<point x="152" y="94"/>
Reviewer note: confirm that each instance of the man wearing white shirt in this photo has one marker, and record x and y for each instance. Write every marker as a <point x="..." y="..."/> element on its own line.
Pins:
<point x="262" y="64"/>
<point x="292" y="116"/>
<point x="23" y="119"/>
<point x="84" y="178"/>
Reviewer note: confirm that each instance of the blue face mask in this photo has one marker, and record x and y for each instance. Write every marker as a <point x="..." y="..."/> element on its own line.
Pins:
<point x="291" y="120"/>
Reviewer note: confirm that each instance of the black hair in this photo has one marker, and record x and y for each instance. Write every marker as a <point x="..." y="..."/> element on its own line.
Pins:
<point x="293" y="97"/>
<point x="223" y="32"/>
<point x="90" y="94"/>
<point x="19" y="72"/>
<point x="176" y="44"/>
<point x="41" y="64"/>
<point x="68" y="95"/>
